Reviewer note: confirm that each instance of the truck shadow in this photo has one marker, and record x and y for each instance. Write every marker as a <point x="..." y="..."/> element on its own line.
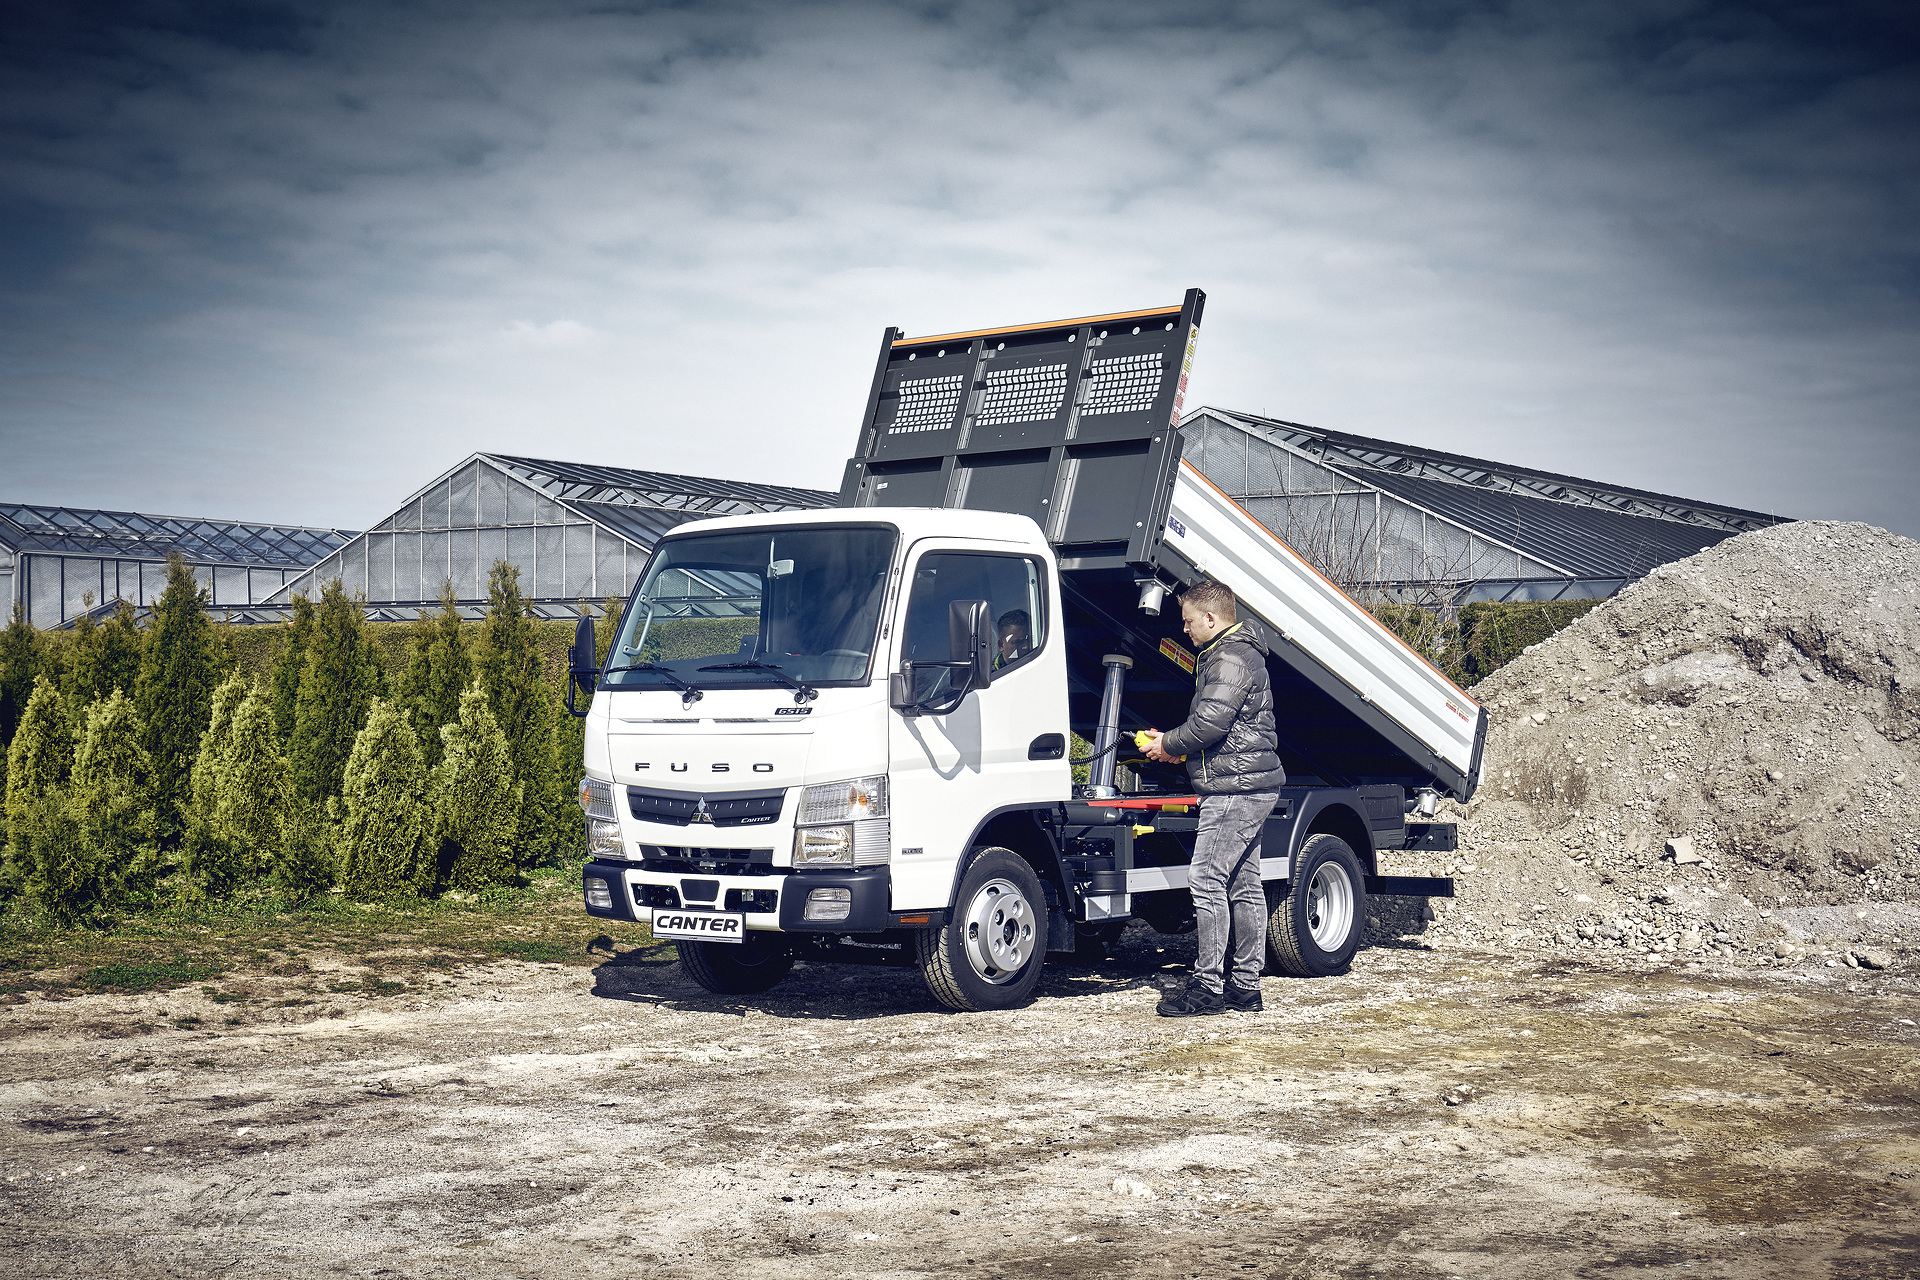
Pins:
<point x="1141" y="961"/>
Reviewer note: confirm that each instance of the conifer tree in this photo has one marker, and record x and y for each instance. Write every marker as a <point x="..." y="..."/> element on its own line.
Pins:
<point x="79" y="641"/>
<point x="438" y="671"/>
<point x="215" y="862"/>
<point x="112" y="751"/>
<point x="65" y="877"/>
<point x="387" y="828"/>
<point x="178" y="673"/>
<point x="39" y="766"/>
<point x="111" y="849"/>
<point x="306" y="866"/>
<point x="339" y="679"/>
<point x="19" y="663"/>
<point x="106" y="656"/>
<point x="208" y="762"/>
<point x="477" y="798"/>
<point x="250" y="787"/>
<point x="288" y="666"/>
<point x="524" y="706"/>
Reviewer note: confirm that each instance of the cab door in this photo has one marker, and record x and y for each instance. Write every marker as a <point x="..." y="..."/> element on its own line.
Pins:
<point x="1003" y="746"/>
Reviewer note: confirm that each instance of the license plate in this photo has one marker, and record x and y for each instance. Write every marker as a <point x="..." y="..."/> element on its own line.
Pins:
<point x="707" y="926"/>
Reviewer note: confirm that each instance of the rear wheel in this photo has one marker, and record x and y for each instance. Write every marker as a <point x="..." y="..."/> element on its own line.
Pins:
<point x="1314" y="930"/>
<point x="754" y="964"/>
<point x="989" y="955"/>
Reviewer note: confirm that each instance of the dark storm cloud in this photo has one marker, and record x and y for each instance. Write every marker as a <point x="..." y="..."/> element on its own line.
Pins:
<point x="288" y="262"/>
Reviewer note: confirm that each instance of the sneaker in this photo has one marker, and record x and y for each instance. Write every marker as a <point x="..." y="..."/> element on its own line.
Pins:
<point x="1242" y="999"/>
<point x="1195" y="1002"/>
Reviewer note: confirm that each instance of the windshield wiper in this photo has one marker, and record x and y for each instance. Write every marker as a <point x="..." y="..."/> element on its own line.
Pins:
<point x="802" y="692"/>
<point x="692" y="694"/>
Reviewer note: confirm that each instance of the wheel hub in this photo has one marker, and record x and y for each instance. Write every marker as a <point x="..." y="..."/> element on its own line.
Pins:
<point x="1000" y="931"/>
<point x="1330" y="907"/>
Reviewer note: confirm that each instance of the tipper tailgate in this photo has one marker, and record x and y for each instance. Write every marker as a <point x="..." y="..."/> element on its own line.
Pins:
<point x="1321" y="632"/>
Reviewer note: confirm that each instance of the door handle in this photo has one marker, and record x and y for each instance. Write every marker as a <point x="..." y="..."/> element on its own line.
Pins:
<point x="1048" y="746"/>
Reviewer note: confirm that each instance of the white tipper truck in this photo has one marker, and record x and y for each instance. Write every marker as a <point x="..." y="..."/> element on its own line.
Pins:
<point x="843" y="734"/>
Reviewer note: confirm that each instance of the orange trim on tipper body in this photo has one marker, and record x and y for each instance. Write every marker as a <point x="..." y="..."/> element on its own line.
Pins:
<point x="1173" y="311"/>
<point x="1308" y="564"/>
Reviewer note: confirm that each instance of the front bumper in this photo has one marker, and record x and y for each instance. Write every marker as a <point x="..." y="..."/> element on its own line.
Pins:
<point x="869" y="889"/>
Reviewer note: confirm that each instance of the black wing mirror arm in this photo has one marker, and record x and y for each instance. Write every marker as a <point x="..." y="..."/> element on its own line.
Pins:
<point x="970" y="641"/>
<point x="582" y="667"/>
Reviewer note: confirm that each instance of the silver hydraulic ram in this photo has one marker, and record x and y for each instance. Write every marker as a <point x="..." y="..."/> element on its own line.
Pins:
<point x="1107" y="736"/>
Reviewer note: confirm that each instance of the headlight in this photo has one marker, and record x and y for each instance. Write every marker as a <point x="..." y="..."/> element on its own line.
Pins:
<point x="823" y="846"/>
<point x="603" y="839"/>
<point x="596" y="797"/>
<point x="845" y="801"/>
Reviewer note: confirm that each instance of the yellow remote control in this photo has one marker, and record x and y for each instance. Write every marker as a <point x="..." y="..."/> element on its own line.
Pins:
<point x="1140" y="740"/>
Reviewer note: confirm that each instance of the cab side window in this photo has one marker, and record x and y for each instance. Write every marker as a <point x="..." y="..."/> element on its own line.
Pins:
<point x="1012" y="586"/>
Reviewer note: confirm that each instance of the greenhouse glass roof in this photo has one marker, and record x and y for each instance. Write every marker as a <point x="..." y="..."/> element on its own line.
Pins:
<point x="1362" y="456"/>
<point x="132" y="535"/>
<point x="581" y="482"/>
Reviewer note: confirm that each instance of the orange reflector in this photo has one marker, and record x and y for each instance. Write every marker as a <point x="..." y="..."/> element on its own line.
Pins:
<point x="916" y="919"/>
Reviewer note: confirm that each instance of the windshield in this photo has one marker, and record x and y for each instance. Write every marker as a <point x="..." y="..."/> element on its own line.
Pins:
<point x="805" y="601"/>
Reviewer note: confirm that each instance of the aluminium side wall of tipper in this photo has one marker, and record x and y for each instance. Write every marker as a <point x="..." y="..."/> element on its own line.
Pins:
<point x="842" y="735"/>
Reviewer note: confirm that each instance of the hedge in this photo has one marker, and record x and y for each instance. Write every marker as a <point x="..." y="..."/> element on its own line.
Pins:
<point x="1484" y="636"/>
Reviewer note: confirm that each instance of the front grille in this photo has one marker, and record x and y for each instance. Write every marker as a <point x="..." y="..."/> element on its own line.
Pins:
<point x="719" y="808"/>
<point x="699" y="861"/>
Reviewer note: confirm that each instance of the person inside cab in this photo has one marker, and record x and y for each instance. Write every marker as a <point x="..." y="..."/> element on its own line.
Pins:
<point x="1016" y="637"/>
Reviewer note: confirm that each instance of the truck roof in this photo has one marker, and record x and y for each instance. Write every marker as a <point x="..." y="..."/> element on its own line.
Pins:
<point x="913" y="522"/>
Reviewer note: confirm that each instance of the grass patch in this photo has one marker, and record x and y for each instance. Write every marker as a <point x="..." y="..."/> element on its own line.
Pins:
<point x="384" y="949"/>
<point x="540" y="952"/>
<point x="149" y="975"/>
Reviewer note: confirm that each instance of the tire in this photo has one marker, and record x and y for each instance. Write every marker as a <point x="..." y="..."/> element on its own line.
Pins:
<point x="1313" y="931"/>
<point x="736" y="968"/>
<point x="989" y="954"/>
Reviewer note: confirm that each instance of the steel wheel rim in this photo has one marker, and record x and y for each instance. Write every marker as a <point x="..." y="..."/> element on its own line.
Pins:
<point x="1000" y="932"/>
<point x="1329" y="906"/>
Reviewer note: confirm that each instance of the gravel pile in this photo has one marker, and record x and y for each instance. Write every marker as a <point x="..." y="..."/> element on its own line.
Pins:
<point x="1719" y="764"/>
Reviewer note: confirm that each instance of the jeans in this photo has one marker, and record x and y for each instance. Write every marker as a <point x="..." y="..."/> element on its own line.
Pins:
<point x="1228" y="900"/>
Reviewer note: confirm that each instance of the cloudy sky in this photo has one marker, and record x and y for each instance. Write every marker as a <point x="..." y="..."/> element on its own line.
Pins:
<point x="288" y="262"/>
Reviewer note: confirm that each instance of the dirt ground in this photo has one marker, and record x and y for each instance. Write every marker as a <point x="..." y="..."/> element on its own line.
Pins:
<point x="1435" y="1112"/>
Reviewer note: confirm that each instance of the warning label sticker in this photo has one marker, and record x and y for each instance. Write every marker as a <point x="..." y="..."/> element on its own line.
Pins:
<point x="1171" y="648"/>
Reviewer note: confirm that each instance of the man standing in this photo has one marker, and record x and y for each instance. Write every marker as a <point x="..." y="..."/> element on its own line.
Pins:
<point x="1233" y="761"/>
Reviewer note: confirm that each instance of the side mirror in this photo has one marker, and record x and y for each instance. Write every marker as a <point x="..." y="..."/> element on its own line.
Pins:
<point x="969" y="663"/>
<point x="583" y="667"/>
<point x="970" y="641"/>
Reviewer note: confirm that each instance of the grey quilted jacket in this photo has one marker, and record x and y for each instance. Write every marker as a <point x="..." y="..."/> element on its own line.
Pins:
<point x="1228" y="735"/>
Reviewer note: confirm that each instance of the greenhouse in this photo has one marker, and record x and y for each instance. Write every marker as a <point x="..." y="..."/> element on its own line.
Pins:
<point x="1393" y="522"/>
<point x="578" y="533"/>
<point x="59" y="562"/>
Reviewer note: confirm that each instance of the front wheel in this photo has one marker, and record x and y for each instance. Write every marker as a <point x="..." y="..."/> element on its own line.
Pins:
<point x="989" y="954"/>
<point x="1314" y="930"/>
<point x="743" y="968"/>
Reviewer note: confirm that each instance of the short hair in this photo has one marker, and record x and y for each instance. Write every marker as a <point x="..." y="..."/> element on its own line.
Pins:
<point x="1015" y="617"/>
<point x="1211" y="597"/>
